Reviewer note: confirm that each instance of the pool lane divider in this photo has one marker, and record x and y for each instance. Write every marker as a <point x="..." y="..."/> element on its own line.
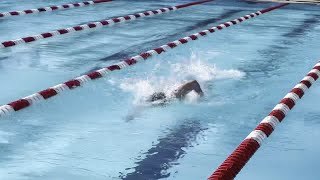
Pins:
<point x="51" y="8"/>
<point x="241" y="155"/>
<point x="95" y="25"/>
<point x="81" y="80"/>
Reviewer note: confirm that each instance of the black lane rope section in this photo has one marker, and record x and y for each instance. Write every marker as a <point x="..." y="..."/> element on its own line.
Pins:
<point x="164" y="155"/>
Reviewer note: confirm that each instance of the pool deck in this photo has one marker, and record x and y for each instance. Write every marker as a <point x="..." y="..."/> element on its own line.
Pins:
<point x="290" y="1"/>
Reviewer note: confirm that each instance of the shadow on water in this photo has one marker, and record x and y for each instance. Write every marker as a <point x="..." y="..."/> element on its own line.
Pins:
<point x="304" y="27"/>
<point x="163" y="155"/>
<point x="273" y="55"/>
<point x="130" y="51"/>
<point x="3" y="58"/>
<point x="122" y="15"/>
<point x="138" y="48"/>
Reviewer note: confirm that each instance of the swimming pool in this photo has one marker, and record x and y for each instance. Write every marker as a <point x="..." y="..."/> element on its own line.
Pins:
<point x="84" y="133"/>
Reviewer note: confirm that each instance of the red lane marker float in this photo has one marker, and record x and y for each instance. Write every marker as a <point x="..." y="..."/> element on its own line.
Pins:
<point x="81" y="80"/>
<point x="241" y="155"/>
<point x="93" y="25"/>
<point x="51" y="8"/>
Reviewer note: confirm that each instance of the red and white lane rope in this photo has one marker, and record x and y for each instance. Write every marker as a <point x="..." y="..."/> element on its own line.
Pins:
<point x="51" y="8"/>
<point x="79" y="81"/>
<point x="241" y="155"/>
<point x="93" y="25"/>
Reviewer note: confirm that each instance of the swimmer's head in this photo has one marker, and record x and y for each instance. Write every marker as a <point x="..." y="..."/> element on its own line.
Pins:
<point x="157" y="96"/>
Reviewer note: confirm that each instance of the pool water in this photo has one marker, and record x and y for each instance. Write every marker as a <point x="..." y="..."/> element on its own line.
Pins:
<point x="103" y="130"/>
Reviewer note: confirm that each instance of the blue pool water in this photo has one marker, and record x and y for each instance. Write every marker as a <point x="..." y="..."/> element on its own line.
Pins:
<point x="86" y="134"/>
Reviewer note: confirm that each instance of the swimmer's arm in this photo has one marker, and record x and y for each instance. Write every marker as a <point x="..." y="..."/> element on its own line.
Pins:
<point x="197" y="88"/>
<point x="182" y="91"/>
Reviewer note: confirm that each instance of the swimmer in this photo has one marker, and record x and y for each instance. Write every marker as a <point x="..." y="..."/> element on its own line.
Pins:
<point x="160" y="98"/>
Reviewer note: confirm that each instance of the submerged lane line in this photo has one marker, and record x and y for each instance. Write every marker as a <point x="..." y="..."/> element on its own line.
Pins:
<point x="81" y="80"/>
<point x="163" y="155"/>
<point x="93" y="25"/>
<point x="51" y="8"/>
<point x="242" y="154"/>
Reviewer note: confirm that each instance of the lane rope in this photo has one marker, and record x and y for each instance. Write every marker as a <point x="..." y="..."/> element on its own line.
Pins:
<point x="51" y="8"/>
<point x="241" y="155"/>
<point x="96" y="25"/>
<point x="81" y="80"/>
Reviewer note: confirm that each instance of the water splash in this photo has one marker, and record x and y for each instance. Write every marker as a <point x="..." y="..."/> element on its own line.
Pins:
<point x="180" y="72"/>
<point x="194" y="68"/>
<point x="202" y="71"/>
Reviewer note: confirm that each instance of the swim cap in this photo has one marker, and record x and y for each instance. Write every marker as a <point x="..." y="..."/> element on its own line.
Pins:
<point x="157" y="96"/>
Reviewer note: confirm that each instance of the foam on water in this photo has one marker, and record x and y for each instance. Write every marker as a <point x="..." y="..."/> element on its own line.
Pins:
<point x="192" y="97"/>
<point x="203" y="71"/>
<point x="193" y="68"/>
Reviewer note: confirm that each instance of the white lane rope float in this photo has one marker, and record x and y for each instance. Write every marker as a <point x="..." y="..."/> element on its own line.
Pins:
<point x="95" y="25"/>
<point x="51" y="8"/>
<point x="81" y="80"/>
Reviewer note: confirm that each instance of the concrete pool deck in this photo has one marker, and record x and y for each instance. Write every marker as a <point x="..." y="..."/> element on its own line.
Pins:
<point x="289" y="1"/>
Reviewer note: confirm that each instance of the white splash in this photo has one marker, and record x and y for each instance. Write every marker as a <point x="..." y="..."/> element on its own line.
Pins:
<point x="192" y="97"/>
<point x="179" y="73"/>
<point x="203" y="71"/>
